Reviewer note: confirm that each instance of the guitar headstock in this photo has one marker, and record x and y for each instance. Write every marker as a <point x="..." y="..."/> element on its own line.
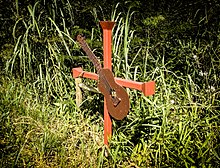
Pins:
<point x="80" y="39"/>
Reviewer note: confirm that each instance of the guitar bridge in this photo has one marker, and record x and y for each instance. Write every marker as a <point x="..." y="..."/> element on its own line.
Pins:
<point x="115" y="99"/>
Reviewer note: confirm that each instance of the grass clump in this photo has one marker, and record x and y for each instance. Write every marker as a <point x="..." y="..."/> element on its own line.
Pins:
<point x="37" y="133"/>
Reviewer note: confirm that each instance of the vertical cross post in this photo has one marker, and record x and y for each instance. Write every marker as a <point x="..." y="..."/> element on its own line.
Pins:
<point x="148" y="88"/>
<point x="107" y="27"/>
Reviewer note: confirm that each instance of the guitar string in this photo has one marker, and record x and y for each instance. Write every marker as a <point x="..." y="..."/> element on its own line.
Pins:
<point x="91" y="56"/>
<point x="115" y="99"/>
<point x="106" y="83"/>
<point x="96" y="63"/>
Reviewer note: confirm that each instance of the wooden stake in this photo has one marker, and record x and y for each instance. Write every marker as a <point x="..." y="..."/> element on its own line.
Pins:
<point x="78" y="81"/>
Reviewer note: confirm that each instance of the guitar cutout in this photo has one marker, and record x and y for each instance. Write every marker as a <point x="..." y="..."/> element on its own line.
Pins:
<point x="117" y="99"/>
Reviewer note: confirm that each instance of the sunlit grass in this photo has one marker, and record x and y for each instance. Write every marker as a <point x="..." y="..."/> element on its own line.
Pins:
<point x="37" y="133"/>
<point x="41" y="125"/>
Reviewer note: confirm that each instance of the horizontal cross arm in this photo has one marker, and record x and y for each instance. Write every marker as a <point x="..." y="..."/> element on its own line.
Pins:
<point x="78" y="72"/>
<point x="148" y="88"/>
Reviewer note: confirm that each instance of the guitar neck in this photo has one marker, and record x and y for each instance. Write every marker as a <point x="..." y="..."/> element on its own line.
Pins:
<point x="89" y="52"/>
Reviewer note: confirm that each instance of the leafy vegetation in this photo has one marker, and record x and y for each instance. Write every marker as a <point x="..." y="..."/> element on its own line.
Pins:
<point x="176" y="44"/>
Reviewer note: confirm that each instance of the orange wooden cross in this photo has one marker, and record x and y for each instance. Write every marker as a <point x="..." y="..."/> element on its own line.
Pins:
<point x="148" y="88"/>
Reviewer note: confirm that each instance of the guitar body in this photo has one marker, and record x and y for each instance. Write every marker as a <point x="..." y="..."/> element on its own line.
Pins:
<point x="117" y="99"/>
<point x="115" y="95"/>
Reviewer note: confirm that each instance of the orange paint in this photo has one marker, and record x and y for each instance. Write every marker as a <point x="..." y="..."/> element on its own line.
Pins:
<point x="78" y="72"/>
<point x="107" y="27"/>
<point x="148" y="88"/>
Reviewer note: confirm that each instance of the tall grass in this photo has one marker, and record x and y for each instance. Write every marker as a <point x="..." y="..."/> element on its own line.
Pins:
<point x="37" y="133"/>
<point x="171" y="128"/>
<point x="41" y="125"/>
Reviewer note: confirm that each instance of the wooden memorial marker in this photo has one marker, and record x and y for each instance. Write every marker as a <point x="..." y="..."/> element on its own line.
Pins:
<point x="116" y="101"/>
